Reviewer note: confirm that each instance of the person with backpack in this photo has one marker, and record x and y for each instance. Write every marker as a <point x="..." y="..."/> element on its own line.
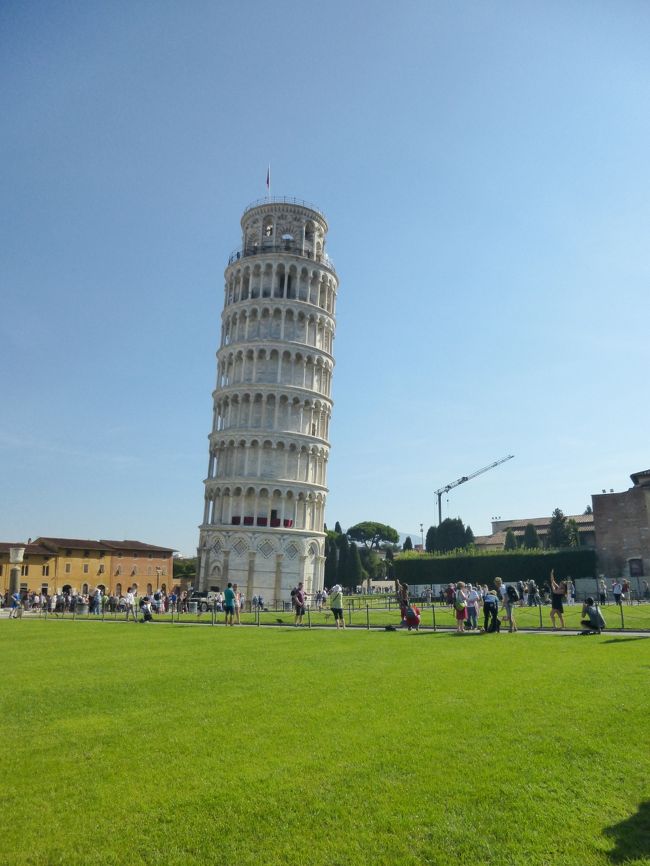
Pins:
<point x="336" y="606"/>
<point x="491" y="612"/>
<point x="510" y="601"/>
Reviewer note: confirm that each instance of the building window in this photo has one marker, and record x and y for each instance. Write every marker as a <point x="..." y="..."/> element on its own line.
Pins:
<point x="23" y="587"/>
<point x="1" y="570"/>
<point x="68" y="567"/>
<point x="151" y="556"/>
<point x="118" y="570"/>
<point x="44" y="587"/>
<point x="118" y="589"/>
<point x="85" y="568"/>
<point x="149" y="589"/>
<point x="101" y="568"/>
<point x="46" y="571"/>
<point x="86" y="553"/>
<point x="24" y="570"/>
<point x="163" y="570"/>
<point x="84" y="589"/>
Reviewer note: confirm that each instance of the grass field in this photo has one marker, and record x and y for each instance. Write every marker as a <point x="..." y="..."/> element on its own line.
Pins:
<point x="635" y="616"/>
<point x="182" y="745"/>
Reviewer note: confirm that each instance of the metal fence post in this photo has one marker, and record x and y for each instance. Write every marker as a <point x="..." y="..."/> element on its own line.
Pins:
<point x="349" y="614"/>
<point x="308" y="617"/>
<point x="622" y="617"/>
<point x="540" y="616"/>
<point x="367" y="617"/>
<point x="433" y="611"/>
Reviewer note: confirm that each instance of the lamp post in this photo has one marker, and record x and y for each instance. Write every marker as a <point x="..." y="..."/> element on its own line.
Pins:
<point x="16" y="556"/>
<point x="422" y="535"/>
<point x="158" y="573"/>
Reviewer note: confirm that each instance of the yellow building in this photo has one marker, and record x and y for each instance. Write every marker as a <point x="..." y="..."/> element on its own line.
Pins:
<point x="63" y="564"/>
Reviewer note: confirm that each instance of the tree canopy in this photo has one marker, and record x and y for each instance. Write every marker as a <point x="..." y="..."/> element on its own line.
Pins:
<point x="408" y="544"/>
<point x="511" y="541"/>
<point x="558" y="534"/>
<point x="372" y="534"/>
<point x="531" y="538"/>
<point x="430" y="541"/>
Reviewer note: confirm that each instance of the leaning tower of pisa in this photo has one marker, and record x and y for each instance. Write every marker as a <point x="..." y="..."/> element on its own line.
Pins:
<point x="263" y="521"/>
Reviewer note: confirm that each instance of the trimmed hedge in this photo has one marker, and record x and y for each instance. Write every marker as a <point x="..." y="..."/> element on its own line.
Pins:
<point x="483" y="567"/>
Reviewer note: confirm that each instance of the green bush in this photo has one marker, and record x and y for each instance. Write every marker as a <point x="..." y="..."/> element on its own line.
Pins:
<point x="483" y="566"/>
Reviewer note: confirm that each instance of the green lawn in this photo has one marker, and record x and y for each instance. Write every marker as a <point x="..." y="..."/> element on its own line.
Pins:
<point x="182" y="745"/>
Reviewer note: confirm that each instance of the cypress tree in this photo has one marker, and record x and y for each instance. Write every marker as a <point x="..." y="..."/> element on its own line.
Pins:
<point x="343" y="554"/>
<point x="531" y="538"/>
<point x="331" y="565"/>
<point x="354" y="568"/>
<point x="430" y="541"/>
<point x="408" y="544"/>
<point x="511" y="541"/>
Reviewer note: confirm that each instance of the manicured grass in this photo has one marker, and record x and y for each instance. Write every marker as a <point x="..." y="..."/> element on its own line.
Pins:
<point x="181" y="745"/>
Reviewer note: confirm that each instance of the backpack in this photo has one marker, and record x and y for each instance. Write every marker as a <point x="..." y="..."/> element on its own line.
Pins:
<point x="512" y="593"/>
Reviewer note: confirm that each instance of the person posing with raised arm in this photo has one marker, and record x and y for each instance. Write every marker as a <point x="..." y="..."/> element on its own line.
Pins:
<point x="558" y="593"/>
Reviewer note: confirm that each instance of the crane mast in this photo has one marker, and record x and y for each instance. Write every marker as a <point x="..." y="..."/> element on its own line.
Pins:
<point x="458" y="481"/>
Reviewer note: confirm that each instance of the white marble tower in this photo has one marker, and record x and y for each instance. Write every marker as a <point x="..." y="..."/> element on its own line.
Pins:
<point x="267" y="474"/>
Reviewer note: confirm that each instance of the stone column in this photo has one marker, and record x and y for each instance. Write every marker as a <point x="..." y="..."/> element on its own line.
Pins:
<point x="278" y="576"/>
<point x="251" y="575"/>
<point x="226" y="567"/>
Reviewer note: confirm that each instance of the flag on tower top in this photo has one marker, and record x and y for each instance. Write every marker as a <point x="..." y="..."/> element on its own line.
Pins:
<point x="268" y="179"/>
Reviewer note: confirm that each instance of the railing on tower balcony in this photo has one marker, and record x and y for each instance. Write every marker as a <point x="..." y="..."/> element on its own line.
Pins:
<point x="284" y="199"/>
<point x="290" y="247"/>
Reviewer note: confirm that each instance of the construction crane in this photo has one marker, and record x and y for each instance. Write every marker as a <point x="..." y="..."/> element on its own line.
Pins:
<point x="465" y="478"/>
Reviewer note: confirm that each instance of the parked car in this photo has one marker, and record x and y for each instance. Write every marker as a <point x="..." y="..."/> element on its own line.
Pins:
<point x="206" y="600"/>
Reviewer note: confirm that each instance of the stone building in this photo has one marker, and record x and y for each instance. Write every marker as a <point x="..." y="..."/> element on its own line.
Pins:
<point x="497" y="539"/>
<point x="83" y="564"/>
<point x="622" y="525"/>
<point x="266" y="486"/>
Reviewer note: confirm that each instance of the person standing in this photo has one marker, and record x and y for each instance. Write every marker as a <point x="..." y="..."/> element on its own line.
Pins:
<point x="299" y="603"/>
<point x="237" y="603"/>
<point x="460" y="606"/>
<point x="229" y="604"/>
<point x="336" y="606"/>
<point x="16" y="606"/>
<point x="472" y="607"/>
<point x="558" y="592"/>
<point x="617" y="591"/>
<point x="510" y="600"/>
<point x="602" y="590"/>
<point x="491" y="611"/>
<point x="129" y="604"/>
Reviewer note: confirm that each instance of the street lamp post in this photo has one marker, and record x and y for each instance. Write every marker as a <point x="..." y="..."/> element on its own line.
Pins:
<point x="422" y="535"/>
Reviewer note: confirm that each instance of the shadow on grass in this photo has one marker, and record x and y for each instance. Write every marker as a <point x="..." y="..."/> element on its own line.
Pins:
<point x="632" y="836"/>
<point x="624" y="639"/>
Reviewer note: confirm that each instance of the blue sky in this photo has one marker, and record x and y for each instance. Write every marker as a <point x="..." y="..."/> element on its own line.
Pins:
<point x="484" y="169"/>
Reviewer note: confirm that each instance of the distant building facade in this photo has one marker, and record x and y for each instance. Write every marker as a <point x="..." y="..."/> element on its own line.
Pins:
<point x="497" y="539"/>
<point x="62" y="564"/>
<point x="622" y="528"/>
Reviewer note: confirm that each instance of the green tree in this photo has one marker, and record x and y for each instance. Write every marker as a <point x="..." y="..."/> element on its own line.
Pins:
<point x="450" y="535"/>
<point x="469" y="536"/>
<point x="573" y="532"/>
<point x="354" y="568"/>
<point x="531" y="538"/>
<point x="184" y="569"/>
<point x="337" y="528"/>
<point x="408" y="544"/>
<point x="372" y="534"/>
<point x="331" y="565"/>
<point x="588" y="510"/>
<point x="343" y="553"/>
<point x="430" y="540"/>
<point x="558" y="534"/>
<point x="511" y="541"/>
